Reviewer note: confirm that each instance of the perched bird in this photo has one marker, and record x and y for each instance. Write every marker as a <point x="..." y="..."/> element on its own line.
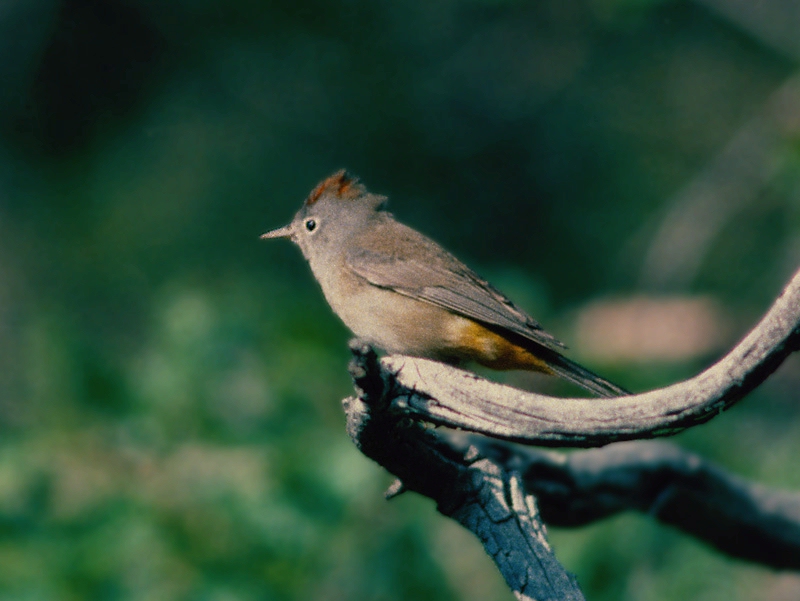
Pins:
<point x="400" y="291"/>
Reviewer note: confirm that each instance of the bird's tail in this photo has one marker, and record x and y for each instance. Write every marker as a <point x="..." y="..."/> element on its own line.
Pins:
<point x="577" y="374"/>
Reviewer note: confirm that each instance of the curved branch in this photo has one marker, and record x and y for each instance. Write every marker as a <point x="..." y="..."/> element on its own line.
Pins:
<point x="740" y="518"/>
<point x="447" y="396"/>
<point x="484" y="498"/>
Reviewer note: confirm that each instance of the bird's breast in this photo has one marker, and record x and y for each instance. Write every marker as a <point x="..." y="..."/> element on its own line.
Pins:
<point x="394" y="322"/>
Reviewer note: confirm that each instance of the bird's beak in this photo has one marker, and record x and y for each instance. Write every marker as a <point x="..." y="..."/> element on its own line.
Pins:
<point x="282" y="232"/>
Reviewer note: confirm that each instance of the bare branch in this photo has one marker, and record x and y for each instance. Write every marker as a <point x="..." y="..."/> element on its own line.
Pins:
<point x="476" y="492"/>
<point x="739" y="518"/>
<point x="452" y="397"/>
<point x="489" y="486"/>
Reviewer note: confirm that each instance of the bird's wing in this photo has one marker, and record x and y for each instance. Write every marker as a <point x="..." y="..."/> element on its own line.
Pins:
<point x="425" y="271"/>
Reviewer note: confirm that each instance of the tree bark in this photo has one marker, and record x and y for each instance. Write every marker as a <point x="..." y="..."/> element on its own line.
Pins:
<point x="739" y="518"/>
<point x="475" y="491"/>
<point x="491" y="486"/>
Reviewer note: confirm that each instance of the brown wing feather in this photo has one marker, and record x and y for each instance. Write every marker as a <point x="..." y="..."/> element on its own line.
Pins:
<point x="427" y="272"/>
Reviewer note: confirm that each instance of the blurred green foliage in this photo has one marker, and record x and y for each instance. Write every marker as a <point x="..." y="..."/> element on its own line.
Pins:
<point x="170" y="415"/>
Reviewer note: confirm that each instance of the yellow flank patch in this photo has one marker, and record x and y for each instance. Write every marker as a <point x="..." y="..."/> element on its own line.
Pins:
<point x="479" y="344"/>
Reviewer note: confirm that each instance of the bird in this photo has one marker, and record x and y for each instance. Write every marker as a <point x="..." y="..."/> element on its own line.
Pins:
<point x="400" y="291"/>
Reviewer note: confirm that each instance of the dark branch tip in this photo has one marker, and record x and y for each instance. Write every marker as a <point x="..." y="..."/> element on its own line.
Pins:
<point x="395" y="489"/>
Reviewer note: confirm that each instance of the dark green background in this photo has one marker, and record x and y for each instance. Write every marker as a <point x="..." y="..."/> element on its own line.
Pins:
<point x="170" y="425"/>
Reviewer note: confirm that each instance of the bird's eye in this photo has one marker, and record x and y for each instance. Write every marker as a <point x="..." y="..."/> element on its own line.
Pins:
<point x="311" y="225"/>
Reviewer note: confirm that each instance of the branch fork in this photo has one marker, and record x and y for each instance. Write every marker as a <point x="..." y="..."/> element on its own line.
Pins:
<point x="492" y="487"/>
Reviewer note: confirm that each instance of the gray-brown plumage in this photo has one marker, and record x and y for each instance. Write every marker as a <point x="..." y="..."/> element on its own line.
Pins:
<point x="401" y="291"/>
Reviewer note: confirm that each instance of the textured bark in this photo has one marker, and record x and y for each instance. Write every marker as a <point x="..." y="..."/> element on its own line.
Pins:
<point x="489" y="485"/>
<point x="473" y="490"/>
<point x="739" y="518"/>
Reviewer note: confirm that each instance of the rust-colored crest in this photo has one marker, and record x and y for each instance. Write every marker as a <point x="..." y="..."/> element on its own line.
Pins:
<point x="341" y="184"/>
